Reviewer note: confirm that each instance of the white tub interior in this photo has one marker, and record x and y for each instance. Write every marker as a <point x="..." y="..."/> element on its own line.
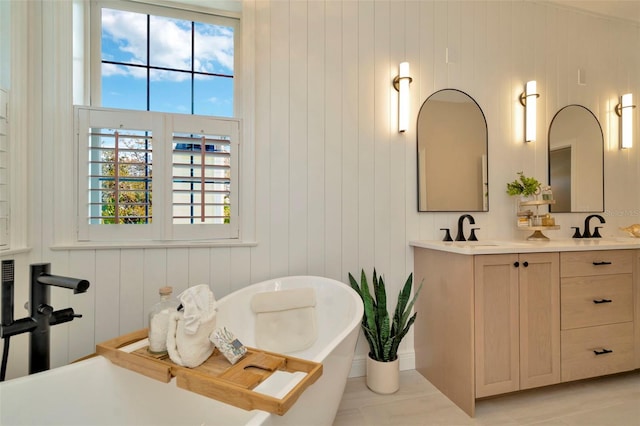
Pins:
<point x="97" y="392"/>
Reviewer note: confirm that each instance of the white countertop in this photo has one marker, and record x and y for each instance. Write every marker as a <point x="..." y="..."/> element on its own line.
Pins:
<point x="500" y="247"/>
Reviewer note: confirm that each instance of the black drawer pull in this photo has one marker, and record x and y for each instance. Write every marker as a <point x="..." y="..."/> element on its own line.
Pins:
<point x="602" y="301"/>
<point x="516" y="264"/>
<point x="601" y="263"/>
<point x="526" y="264"/>
<point x="603" y="351"/>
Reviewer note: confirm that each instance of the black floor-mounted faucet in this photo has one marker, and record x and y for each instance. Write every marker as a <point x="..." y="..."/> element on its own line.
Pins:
<point x="41" y="313"/>
<point x="460" y="234"/>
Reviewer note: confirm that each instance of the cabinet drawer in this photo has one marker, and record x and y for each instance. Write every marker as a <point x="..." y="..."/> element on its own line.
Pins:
<point x="599" y="262"/>
<point x="585" y="351"/>
<point x="596" y="300"/>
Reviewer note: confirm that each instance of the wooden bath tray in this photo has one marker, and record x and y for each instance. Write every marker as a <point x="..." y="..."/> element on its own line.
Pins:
<point x="216" y="378"/>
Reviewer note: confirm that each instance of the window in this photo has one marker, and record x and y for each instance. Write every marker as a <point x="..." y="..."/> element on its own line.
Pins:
<point x="160" y="59"/>
<point x="157" y="157"/>
<point x="150" y="176"/>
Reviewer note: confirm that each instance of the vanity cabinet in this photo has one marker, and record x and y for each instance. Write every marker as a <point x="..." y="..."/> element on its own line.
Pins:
<point x="597" y="313"/>
<point x="517" y="322"/>
<point x="492" y="322"/>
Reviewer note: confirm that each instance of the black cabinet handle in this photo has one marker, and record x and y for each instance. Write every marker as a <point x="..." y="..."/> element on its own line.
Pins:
<point x="516" y="264"/>
<point x="603" y="351"/>
<point x="601" y="263"/>
<point x="602" y="301"/>
<point x="525" y="264"/>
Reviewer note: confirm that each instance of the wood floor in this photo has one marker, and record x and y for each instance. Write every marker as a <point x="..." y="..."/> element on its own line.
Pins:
<point x="609" y="401"/>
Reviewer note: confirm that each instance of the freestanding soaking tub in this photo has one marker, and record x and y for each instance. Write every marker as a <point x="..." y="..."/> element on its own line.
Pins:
<point x="96" y="392"/>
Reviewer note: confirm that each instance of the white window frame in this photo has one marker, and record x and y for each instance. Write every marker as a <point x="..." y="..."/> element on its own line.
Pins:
<point x="244" y="81"/>
<point x="150" y="9"/>
<point x="162" y="126"/>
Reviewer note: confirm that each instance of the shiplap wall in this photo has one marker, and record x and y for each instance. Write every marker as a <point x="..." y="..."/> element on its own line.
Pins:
<point x="335" y="184"/>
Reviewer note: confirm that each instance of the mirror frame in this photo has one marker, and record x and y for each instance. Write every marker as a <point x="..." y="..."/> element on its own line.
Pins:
<point x="601" y="155"/>
<point x="486" y="144"/>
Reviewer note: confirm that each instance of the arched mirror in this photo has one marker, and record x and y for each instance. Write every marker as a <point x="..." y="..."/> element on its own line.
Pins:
<point x="452" y="154"/>
<point x="576" y="156"/>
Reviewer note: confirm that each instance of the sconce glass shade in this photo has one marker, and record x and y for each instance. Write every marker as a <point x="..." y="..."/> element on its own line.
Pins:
<point x="529" y="100"/>
<point x="401" y="83"/>
<point x="625" y="110"/>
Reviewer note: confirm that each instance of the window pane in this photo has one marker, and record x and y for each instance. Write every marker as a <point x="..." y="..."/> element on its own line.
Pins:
<point x="170" y="43"/>
<point x="213" y="49"/>
<point x="170" y="91"/>
<point x="201" y="180"/>
<point x="124" y="87"/>
<point x="213" y="96"/>
<point x="124" y="36"/>
<point x="120" y="180"/>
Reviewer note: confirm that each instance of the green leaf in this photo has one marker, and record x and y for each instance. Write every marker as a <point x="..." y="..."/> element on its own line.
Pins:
<point x="384" y="337"/>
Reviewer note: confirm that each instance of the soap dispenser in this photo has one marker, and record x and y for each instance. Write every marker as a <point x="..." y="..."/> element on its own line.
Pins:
<point x="159" y="321"/>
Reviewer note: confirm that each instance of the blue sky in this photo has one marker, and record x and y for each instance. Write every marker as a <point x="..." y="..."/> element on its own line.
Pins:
<point x="124" y="39"/>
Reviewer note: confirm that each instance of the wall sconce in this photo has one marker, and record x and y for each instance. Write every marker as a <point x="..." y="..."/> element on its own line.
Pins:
<point x="401" y="84"/>
<point x="528" y="100"/>
<point x="624" y="110"/>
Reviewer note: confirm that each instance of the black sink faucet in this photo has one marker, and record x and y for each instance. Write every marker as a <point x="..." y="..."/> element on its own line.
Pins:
<point x="41" y="314"/>
<point x="587" y="233"/>
<point x="460" y="235"/>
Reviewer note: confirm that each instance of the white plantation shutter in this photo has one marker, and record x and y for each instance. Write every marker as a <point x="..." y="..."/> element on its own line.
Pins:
<point x="4" y="171"/>
<point x="204" y="182"/>
<point x="156" y="176"/>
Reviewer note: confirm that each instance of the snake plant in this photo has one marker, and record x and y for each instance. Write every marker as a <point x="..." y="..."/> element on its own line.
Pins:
<point x="384" y="336"/>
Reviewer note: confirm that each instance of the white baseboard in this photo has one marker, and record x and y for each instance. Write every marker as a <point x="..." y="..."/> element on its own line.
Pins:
<point x="359" y="364"/>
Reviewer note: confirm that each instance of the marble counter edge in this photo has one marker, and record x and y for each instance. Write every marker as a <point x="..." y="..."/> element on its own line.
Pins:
<point x="505" y="247"/>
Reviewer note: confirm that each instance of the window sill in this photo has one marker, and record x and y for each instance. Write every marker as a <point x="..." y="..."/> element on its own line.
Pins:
<point x="14" y="251"/>
<point x="152" y="244"/>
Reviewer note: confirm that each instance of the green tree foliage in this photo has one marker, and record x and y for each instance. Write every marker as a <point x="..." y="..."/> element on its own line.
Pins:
<point x="134" y="188"/>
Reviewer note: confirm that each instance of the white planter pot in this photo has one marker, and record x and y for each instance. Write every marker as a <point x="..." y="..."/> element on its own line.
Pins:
<point x="383" y="377"/>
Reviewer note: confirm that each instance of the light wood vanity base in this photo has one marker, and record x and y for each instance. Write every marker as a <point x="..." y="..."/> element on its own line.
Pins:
<point x="490" y="324"/>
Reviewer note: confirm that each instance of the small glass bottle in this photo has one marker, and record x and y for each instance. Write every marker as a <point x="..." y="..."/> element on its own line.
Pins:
<point x="159" y="321"/>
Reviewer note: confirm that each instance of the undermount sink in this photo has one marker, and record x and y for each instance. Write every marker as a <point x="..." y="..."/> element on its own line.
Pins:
<point x="488" y="243"/>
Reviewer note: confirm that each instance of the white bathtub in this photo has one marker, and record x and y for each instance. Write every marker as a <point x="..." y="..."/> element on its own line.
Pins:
<point x="96" y="392"/>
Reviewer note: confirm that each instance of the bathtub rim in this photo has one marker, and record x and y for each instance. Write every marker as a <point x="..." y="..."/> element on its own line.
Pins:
<point x="357" y="305"/>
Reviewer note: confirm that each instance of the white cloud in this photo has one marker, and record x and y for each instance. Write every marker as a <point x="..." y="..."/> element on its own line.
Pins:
<point x="170" y="46"/>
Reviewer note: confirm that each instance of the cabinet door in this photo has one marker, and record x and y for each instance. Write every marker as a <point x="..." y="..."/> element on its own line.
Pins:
<point x="539" y="277"/>
<point x="496" y="324"/>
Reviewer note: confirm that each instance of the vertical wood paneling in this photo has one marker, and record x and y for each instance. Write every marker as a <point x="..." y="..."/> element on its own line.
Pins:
<point x="240" y="273"/>
<point x="131" y="291"/>
<point x="333" y="141"/>
<point x="316" y="137"/>
<point x="396" y="154"/>
<point x="366" y="84"/>
<point x="298" y="157"/>
<point x="349" y="151"/>
<point x="261" y="261"/>
<point x="383" y="75"/>
<point x="198" y="266"/>
<point x="220" y="271"/>
<point x="83" y="331"/>
<point x="176" y="273"/>
<point x="155" y="276"/>
<point x="106" y="287"/>
<point x="279" y="135"/>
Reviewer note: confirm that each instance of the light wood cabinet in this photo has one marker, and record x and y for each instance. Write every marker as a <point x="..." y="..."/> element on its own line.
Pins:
<point x="517" y="322"/>
<point x="597" y="313"/>
<point x="486" y="326"/>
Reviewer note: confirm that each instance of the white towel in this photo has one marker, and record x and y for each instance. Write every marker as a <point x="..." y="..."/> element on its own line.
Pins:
<point x="188" y="341"/>
<point x="285" y="319"/>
